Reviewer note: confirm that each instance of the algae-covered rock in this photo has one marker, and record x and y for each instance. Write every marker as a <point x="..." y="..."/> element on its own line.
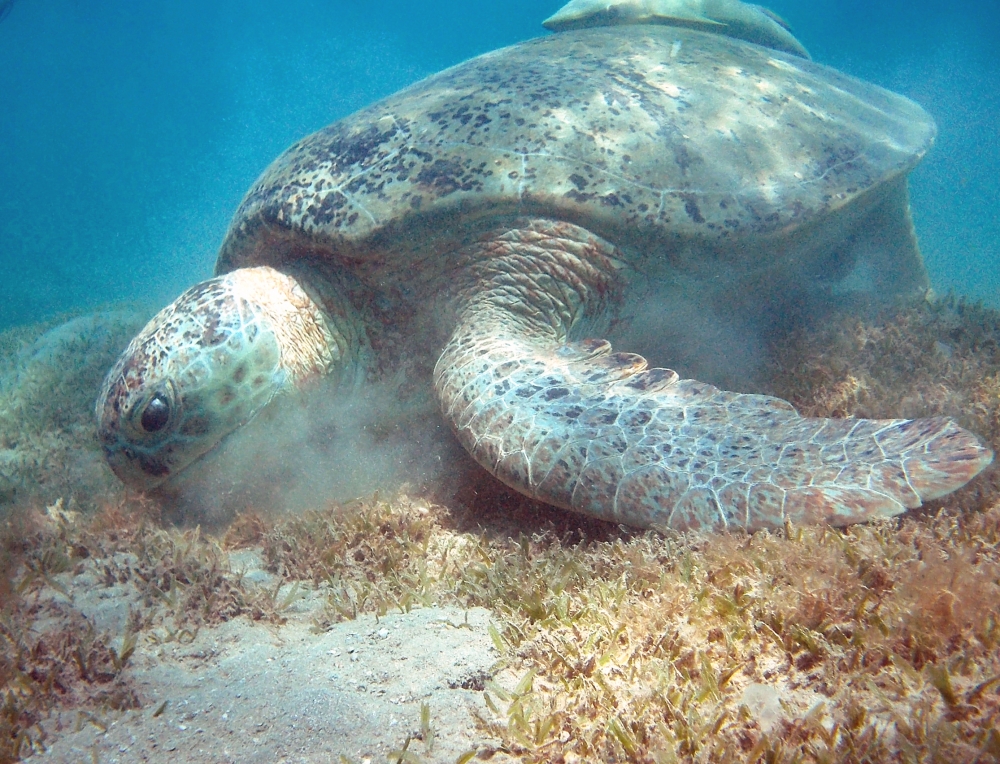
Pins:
<point x="49" y="376"/>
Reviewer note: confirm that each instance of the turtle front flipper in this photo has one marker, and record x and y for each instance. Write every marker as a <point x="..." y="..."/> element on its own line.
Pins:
<point x="580" y="427"/>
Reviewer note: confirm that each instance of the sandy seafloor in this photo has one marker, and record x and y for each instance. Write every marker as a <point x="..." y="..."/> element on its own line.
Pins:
<point x="824" y="623"/>
<point x="242" y="692"/>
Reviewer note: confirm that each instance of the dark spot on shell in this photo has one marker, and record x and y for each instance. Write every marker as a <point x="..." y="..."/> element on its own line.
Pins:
<point x="691" y="208"/>
<point x="328" y="208"/>
<point x="445" y="176"/>
<point x="240" y="374"/>
<point x="357" y="149"/>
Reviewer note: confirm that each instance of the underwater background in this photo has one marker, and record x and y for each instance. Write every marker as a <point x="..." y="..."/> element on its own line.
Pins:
<point x="131" y="626"/>
<point x="129" y="131"/>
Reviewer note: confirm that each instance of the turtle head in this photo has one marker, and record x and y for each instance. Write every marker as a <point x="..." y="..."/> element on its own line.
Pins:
<point x="204" y="366"/>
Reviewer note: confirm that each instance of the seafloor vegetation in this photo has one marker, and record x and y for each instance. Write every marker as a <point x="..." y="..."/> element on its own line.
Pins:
<point x="877" y="643"/>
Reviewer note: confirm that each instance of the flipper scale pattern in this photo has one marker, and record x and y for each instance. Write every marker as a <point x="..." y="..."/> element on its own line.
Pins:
<point x="598" y="432"/>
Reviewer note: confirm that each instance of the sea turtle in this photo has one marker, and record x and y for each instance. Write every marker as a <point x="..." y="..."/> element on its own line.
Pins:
<point x="733" y="18"/>
<point x="493" y="219"/>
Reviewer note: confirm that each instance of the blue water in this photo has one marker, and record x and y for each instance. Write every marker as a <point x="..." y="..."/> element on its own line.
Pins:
<point x="130" y="130"/>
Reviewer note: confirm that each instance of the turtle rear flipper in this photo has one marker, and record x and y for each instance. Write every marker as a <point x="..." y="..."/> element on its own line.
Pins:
<point x="882" y="250"/>
<point x="580" y="427"/>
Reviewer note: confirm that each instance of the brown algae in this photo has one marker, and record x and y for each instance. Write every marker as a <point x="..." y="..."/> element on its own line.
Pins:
<point x="873" y="643"/>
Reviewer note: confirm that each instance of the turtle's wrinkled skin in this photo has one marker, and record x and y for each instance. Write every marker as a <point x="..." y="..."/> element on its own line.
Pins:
<point x="498" y="217"/>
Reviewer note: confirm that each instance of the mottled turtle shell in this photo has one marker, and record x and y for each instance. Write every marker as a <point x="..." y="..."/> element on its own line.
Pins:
<point x="648" y="136"/>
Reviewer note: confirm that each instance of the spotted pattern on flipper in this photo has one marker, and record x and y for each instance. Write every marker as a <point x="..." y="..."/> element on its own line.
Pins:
<point x="598" y="432"/>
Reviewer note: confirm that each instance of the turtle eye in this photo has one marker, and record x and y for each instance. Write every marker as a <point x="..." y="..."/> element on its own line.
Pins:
<point x="156" y="414"/>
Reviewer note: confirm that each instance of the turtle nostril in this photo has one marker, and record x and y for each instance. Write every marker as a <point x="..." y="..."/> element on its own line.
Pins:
<point x="156" y="414"/>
